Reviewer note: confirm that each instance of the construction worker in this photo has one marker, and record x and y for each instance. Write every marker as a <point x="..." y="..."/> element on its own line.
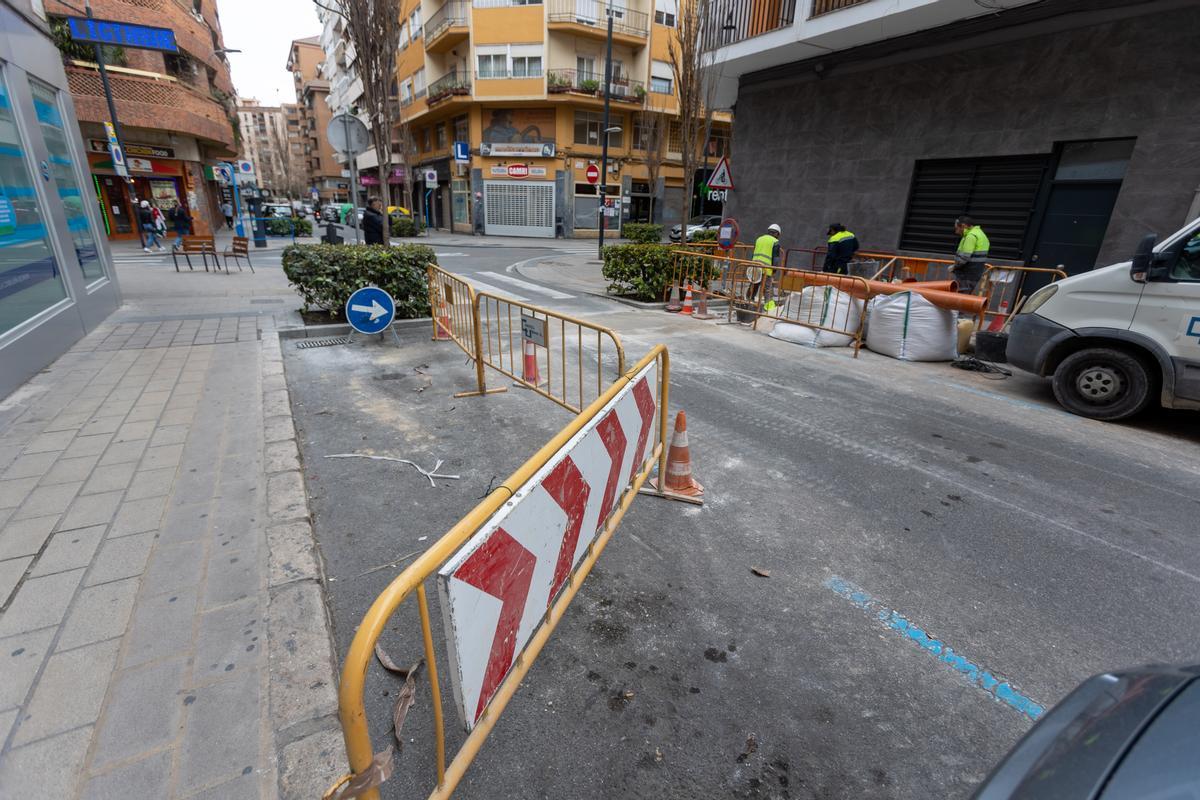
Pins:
<point x="767" y="252"/>
<point x="841" y="247"/>
<point x="971" y="259"/>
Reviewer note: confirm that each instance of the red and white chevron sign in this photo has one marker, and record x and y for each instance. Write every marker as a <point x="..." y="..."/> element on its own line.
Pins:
<point x="496" y="589"/>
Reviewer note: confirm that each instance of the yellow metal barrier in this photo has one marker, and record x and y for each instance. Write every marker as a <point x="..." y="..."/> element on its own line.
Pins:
<point x="560" y="346"/>
<point x="1004" y="288"/>
<point x="453" y="309"/>
<point x="891" y="267"/>
<point x="351" y="707"/>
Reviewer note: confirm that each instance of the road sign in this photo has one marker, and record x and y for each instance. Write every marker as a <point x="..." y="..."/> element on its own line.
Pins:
<point x="518" y="171"/>
<point x="593" y="173"/>
<point x="462" y="151"/>
<point x="122" y="34"/>
<point x="370" y="310"/>
<point x="722" y="177"/>
<point x="348" y="134"/>
<point x="727" y="234"/>
<point x="497" y="588"/>
<point x="534" y="330"/>
<point x="245" y="168"/>
<point x="114" y="149"/>
<point x="431" y="178"/>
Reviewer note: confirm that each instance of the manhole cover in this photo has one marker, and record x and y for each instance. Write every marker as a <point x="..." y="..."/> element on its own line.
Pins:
<point x="328" y="341"/>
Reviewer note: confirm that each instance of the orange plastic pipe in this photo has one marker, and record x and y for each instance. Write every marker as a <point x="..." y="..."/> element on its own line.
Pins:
<point x="943" y="286"/>
<point x="951" y="301"/>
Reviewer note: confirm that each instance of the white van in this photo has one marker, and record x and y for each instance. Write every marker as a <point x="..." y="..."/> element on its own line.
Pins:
<point x="1112" y="338"/>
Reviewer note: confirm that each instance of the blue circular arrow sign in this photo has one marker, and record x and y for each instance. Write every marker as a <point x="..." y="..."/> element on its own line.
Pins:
<point x="370" y="310"/>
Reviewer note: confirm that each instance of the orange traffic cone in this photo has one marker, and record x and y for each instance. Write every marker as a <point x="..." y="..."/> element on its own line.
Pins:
<point x="442" y="331"/>
<point x="702" y="305"/>
<point x="687" y="301"/>
<point x="1000" y="318"/>
<point x="678" y="479"/>
<point x="673" y="302"/>
<point x="529" y="373"/>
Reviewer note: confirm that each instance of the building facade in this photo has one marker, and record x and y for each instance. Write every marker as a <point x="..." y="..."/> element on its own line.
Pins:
<point x="324" y="173"/>
<point x="1067" y="129"/>
<point x="175" y="109"/>
<point x="521" y="85"/>
<point x="266" y="145"/>
<point x="56" y="272"/>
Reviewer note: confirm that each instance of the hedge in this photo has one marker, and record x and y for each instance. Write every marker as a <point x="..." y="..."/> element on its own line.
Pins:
<point x="705" y="235"/>
<point x="282" y="226"/>
<point x="642" y="232"/>
<point x="405" y="226"/>
<point x="326" y="275"/>
<point x="640" y="271"/>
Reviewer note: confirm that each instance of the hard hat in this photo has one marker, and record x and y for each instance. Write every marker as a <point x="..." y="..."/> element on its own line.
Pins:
<point x="773" y="228"/>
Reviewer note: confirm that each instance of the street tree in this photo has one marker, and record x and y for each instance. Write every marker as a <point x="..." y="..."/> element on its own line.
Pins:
<point x="695" y="90"/>
<point x="655" y="129"/>
<point x="373" y="28"/>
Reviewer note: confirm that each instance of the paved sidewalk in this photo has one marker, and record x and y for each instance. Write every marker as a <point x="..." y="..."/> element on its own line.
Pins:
<point x="162" y="623"/>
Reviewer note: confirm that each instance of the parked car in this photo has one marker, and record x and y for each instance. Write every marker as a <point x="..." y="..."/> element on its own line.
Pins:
<point x="704" y="222"/>
<point x="1118" y="736"/>
<point x="1117" y="338"/>
<point x="277" y="210"/>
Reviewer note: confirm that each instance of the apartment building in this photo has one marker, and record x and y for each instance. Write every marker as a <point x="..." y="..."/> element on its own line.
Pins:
<point x="297" y="159"/>
<point x="175" y="109"/>
<point x="265" y="144"/>
<point x="1066" y="128"/>
<point x="323" y="172"/>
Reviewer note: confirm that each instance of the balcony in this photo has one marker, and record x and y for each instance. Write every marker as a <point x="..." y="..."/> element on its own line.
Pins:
<point x="820" y="7"/>
<point x="447" y="27"/>
<point x="588" y="18"/>
<point x="452" y="84"/>
<point x="155" y="103"/>
<point x="591" y="84"/>
<point x="737" y="20"/>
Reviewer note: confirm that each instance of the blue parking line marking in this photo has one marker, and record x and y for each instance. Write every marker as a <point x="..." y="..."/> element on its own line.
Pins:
<point x="999" y="689"/>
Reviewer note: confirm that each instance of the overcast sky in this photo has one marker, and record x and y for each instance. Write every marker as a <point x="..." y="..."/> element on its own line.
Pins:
<point x="263" y="30"/>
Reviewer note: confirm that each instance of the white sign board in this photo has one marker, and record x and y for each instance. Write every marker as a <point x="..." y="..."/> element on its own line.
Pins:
<point x="534" y="330"/>
<point x="495" y="591"/>
<point x="431" y="178"/>
<point x="519" y="149"/>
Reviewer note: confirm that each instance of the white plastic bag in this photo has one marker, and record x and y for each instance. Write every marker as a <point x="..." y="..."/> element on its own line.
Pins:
<point x="822" y="306"/>
<point x="909" y="327"/>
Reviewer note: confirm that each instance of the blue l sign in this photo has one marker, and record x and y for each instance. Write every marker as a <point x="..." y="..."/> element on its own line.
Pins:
<point x="462" y="151"/>
<point x="370" y="310"/>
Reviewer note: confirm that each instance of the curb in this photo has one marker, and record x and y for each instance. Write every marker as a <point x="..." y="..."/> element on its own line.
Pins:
<point x="301" y="656"/>
<point x="338" y="328"/>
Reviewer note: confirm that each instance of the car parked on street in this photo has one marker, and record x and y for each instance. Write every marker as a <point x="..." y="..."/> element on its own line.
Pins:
<point x="703" y="222"/>
<point x="283" y="210"/>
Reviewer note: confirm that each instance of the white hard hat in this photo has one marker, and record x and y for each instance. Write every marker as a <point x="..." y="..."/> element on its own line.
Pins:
<point x="773" y="228"/>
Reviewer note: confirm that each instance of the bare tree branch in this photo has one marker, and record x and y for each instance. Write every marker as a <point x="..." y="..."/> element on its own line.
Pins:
<point x="694" y="90"/>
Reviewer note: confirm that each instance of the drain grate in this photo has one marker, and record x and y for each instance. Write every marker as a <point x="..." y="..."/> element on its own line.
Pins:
<point x="327" y="341"/>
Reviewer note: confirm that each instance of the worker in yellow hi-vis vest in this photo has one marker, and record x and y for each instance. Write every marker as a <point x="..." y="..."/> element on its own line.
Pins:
<point x="767" y="254"/>
<point x="971" y="258"/>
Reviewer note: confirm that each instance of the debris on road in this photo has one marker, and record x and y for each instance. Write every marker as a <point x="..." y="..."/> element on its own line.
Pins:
<point x="431" y="474"/>
<point x="395" y="563"/>
<point x="382" y="766"/>
<point x="760" y="572"/>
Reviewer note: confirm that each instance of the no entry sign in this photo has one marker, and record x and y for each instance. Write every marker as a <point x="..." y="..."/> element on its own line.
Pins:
<point x="495" y="591"/>
<point x="593" y="173"/>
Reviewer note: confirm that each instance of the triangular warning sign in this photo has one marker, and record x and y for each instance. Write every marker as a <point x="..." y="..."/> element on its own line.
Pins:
<point x="722" y="177"/>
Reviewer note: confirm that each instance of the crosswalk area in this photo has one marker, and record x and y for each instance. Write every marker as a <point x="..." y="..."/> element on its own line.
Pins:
<point x="476" y="279"/>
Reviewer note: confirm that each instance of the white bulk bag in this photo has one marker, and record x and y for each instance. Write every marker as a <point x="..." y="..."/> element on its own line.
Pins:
<point x="909" y="327"/>
<point x="818" y="305"/>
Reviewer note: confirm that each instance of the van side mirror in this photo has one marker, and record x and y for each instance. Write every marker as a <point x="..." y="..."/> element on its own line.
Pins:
<point x="1143" y="257"/>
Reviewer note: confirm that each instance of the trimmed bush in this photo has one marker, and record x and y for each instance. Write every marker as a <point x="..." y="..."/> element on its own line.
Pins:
<point x="405" y="226"/>
<point x="282" y="226"/>
<point x="326" y="275"/>
<point x="640" y="271"/>
<point x="642" y="232"/>
<point x="705" y="235"/>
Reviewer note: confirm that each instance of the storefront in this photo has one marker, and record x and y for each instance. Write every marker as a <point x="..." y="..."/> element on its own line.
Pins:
<point x="56" y="280"/>
<point x="162" y="181"/>
<point x="518" y="170"/>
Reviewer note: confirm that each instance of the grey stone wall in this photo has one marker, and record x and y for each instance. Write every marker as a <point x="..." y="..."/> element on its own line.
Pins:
<point x="842" y="148"/>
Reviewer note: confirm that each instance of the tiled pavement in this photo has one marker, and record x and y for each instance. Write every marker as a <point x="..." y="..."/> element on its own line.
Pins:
<point x="162" y="627"/>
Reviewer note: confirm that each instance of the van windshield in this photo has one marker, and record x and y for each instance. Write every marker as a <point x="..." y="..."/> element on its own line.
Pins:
<point x="1187" y="266"/>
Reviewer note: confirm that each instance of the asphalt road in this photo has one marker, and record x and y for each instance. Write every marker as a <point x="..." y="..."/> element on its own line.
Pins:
<point x="947" y="554"/>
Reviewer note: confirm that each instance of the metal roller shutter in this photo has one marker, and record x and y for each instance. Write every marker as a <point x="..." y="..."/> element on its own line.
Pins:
<point x="519" y="209"/>
<point x="1000" y="193"/>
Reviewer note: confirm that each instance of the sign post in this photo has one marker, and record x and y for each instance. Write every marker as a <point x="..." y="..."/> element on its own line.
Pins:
<point x="370" y="310"/>
<point x="349" y="136"/>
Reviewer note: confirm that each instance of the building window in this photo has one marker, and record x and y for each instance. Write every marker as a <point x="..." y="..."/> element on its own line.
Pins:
<point x="675" y="138"/>
<point x="418" y="81"/>
<point x="718" y="144"/>
<point x="510" y="61"/>
<point x="414" y="23"/>
<point x="406" y="92"/>
<point x="664" y="12"/>
<point x="460" y="194"/>
<point x="492" y="64"/>
<point x="590" y="124"/>
<point x="440" y="134"/>
<point x="462" y="128"/>
<point x="1000" y="193"/>
<point x="527" y="66"/>
<point x="661" y="77"/>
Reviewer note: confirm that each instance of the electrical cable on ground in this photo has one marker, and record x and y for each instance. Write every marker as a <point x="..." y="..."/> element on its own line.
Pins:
<point x="973" y="364"/>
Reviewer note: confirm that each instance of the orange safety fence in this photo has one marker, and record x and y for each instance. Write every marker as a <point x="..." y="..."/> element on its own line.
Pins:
<point x="1005" y="290"/>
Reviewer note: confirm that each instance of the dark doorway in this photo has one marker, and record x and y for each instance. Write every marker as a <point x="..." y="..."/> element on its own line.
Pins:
<point x="1074" y="224"/>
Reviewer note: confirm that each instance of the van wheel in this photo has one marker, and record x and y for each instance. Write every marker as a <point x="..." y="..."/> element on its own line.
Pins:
<point x="1102" y="383"/>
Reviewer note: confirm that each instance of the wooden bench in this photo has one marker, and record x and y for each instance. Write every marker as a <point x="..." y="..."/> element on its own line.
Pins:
<point x="237" y="251"/>
<point x="204" y="246"/>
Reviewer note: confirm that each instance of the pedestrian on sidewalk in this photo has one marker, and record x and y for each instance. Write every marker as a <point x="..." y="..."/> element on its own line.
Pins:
<point x="181" y="221"/>
<point x="840" y="248"/>
<point x="227" y="210"/>
<point x="149" y="227"/>
<point x="372" y="222"/>
<point x="971" y="258"/>
<point x="478" y="230"/>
